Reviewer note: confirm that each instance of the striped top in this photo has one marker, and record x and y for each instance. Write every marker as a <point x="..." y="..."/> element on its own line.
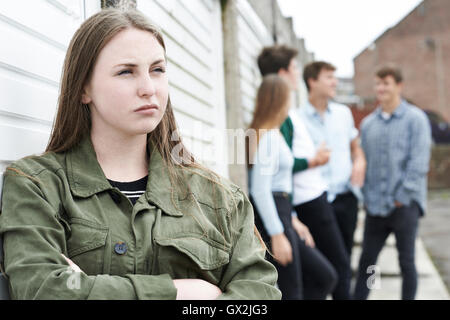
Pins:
<point x="132" y="190"/>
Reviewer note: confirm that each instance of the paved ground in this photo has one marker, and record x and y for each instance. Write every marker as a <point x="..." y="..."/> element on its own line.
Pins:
<point x="434" y="239"/>
<point x="435" y="232"/>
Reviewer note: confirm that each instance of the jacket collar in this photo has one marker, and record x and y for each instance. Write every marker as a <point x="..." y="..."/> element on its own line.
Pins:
<point x="86" y="177"/>
<point x="160" y="189"/>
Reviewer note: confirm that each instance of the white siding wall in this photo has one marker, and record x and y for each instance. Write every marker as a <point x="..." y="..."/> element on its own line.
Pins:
<point x="192" y="32"/>
<point x="34" y="35"/>
<point x="252" y="37"/>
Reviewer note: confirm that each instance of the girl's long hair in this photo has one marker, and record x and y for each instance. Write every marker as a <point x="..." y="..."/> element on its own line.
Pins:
<point x="271" y="109"/>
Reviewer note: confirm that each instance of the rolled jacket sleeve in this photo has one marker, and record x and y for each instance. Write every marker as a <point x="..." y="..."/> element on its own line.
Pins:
<point x="248" y="275"/>
<point x="34" y="240"/>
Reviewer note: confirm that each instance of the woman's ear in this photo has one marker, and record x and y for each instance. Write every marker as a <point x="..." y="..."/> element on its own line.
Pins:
<point x="85" y="97"/>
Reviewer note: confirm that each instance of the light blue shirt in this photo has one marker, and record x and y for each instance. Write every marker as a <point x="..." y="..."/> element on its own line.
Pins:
<point x="337" y="129"/>
<point x="397" y="150"/>
<point x="271" y="172"/>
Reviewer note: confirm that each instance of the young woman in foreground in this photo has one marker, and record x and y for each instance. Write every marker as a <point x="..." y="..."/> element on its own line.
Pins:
<point x="110" y="210"/>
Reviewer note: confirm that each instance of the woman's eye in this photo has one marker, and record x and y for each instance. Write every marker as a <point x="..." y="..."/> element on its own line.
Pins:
<point x="160" y="70"/>
<point x="124" y="72"/>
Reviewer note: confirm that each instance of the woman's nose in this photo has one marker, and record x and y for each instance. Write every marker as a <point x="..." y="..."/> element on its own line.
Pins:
<point x="146" y="86"/>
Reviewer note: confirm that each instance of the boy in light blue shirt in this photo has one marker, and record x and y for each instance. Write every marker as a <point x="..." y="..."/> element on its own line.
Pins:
<point x="332" y="123"/>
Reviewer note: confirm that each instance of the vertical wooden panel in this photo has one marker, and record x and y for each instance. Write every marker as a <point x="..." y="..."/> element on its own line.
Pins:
<point x="245" y="36"/>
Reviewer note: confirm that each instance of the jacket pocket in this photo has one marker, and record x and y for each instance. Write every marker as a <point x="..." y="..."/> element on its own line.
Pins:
<point x="192" y="257"/>
<point x="86" y="245"/>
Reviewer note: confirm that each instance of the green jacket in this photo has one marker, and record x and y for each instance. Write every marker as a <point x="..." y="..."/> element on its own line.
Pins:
<point x="65" y="205"/>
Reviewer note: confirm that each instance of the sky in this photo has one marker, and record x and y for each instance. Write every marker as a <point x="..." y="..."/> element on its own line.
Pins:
<point x="338" y="30"/>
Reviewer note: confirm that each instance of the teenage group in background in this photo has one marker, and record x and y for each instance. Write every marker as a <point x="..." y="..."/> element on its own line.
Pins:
<point x="309" y="167"/>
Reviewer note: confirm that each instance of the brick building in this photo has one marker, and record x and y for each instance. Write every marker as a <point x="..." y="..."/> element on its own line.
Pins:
<point x="420" y="45"/>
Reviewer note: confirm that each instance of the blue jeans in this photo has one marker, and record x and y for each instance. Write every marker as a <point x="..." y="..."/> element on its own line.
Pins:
<point x="403" y="222"/>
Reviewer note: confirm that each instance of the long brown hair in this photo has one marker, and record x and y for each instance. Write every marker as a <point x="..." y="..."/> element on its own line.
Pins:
<point x="271" y="109"/>
<point x="73" y="119"/>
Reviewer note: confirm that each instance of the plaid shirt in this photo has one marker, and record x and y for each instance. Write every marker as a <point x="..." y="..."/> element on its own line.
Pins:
<point x="397" y="150"/>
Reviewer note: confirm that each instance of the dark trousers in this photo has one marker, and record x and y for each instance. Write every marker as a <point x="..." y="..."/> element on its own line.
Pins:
<point x="318" y="215"/>
<point x="403" y="222"/>
<point x="310" y="275"/>
<point x="345" y="208"/>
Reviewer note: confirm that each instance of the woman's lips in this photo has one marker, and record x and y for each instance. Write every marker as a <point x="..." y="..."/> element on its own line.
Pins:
<point x="147" y="109"/>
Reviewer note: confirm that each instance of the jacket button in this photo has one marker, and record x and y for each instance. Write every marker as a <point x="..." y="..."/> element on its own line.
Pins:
<point x="120" y="248"/>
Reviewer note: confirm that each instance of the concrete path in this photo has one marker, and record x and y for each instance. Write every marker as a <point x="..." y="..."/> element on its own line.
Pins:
<point x="435" y="231"/>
